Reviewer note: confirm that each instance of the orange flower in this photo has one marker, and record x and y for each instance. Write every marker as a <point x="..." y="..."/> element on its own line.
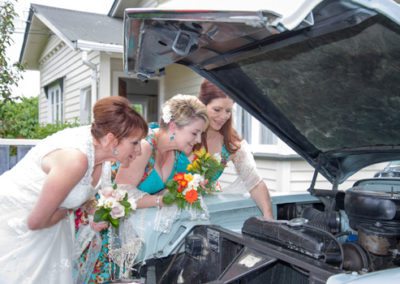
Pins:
<point x="183" y="183"/>
<point x="179" y="176"/>
<point x="191" y="196"/>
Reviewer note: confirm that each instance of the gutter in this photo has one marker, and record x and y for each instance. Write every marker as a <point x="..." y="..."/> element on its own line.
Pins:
<point x="91" y="45"/>
<point x="94" y="76"/>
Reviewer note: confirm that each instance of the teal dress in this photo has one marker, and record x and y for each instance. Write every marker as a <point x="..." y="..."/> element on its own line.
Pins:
<point x="225" y="155"/>
<point x="150" y="183"/>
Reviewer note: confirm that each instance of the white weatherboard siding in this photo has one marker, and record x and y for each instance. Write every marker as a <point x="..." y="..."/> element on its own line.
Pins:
<point x="60" y="61"/>
<point x="294" y="175"/>
<point x="180" y="80"/>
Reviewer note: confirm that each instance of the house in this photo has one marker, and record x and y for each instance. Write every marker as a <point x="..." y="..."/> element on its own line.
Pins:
<point x="79" y="56"/>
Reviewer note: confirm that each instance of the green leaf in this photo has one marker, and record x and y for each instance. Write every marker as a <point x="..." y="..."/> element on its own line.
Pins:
<point x="125" y="203"/>
<point x="101" y="215"/>
<point x="169" y="198"/>
<point x="181" y="203"/>
<point x="114" y="222"/>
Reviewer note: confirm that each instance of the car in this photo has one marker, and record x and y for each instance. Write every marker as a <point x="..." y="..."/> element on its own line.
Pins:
<point x="324" y="77"/>
<point x="391" y="170"/>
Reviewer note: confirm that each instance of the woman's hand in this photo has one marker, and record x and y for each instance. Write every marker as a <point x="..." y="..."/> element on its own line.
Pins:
<point x="159" y="200"/>
<point x="98" y="226"/>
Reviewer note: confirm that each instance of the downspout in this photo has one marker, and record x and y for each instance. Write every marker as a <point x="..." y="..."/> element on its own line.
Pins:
<point x="92" y="66"/>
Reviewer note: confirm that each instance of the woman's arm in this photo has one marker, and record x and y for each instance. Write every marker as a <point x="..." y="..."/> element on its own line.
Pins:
<point x="246" y="167"/>
<point x="64" y="169"/>
<point x="131" y="176"/>
<point x="260" y="195"/>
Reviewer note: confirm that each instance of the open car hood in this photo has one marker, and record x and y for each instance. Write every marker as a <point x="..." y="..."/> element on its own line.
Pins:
<point x="324" y="76"/>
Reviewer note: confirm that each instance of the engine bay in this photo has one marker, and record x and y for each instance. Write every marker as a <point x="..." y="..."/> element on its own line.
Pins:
<point x="356" y="231"/>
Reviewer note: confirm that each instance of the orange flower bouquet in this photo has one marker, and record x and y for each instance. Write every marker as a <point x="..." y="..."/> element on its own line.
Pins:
<point x="186" y="189"/>
<point x="183" y="190"/>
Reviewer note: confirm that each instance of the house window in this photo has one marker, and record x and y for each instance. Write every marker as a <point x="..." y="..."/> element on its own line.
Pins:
<point x="252" y="130"/>
<point x="56" y="102"/>
<point x="267" y="136"/>
<point x="85" y="106"/>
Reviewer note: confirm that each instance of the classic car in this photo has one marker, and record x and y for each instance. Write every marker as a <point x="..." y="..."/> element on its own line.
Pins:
<point x="324" y="77"/>
<point x="391" y="170"/>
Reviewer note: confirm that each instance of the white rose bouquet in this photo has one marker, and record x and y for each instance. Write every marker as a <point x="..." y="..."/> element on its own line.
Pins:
<point x="112" y="205"/>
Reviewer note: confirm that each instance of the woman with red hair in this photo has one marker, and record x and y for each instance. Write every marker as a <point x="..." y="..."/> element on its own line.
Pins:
<point x="222" y="138"/>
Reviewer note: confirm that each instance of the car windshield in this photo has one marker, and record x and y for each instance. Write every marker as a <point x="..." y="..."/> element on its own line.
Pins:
<point x="325" y="68"/>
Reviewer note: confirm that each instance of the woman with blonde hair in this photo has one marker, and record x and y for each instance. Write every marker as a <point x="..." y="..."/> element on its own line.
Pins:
<point x="165" y="150"/>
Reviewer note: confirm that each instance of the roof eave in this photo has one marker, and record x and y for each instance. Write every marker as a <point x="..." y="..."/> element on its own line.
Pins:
<point x="26" y="34"/>
<point x="90" y="45"/>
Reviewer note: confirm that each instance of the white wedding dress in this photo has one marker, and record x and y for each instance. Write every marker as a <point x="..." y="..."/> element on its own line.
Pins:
<point x="41" y="256"/>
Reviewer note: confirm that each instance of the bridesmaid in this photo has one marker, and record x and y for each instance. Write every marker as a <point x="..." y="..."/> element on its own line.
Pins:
<point x="222" y="138"/>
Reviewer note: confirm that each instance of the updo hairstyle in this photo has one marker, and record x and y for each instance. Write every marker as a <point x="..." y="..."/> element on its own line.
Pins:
<point x="115" y="115"/>
<point x="182" y="109"/>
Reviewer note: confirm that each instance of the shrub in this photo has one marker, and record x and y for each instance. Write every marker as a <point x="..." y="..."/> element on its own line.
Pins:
<point x="20" y="120"/>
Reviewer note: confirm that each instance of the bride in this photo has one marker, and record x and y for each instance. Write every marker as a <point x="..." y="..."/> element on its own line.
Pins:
<point x="60" y="174"/>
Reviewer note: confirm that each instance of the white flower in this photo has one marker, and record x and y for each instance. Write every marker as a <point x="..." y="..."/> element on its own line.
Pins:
<point x="217" y="156"/>
<point x="110" y="202"/>
<point x="195" y="182"/>
<point x="117" y="211"/>
<point x="166" y="114"/>
<point x="100" y="201"/>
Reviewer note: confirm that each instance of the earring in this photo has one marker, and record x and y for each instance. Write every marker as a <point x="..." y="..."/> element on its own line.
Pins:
<point x="172" y="137"/>
<point x="115" y="152"/>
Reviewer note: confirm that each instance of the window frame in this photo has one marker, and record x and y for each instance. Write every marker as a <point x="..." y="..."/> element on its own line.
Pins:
<point x="55" y="99"/>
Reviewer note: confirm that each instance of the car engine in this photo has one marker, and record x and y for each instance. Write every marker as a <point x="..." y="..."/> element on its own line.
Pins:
<point x="352" y="231"/>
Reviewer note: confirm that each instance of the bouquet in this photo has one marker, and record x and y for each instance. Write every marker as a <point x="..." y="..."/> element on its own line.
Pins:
<point x="185" y="189"/>
<point x="112" y="205"/>
<point x="209" y="167"/>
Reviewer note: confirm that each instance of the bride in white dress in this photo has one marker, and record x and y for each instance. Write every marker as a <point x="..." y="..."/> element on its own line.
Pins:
<point x="59" y="174"/>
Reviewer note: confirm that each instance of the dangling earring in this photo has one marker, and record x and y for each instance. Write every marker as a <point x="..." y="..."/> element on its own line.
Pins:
<point x="115" y="152"/>
<point x="172" y="137"/>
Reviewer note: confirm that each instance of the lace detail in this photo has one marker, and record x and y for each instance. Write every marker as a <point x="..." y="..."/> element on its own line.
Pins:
<point x="134" y="194"/>
<point x="246" y="168"/>
<point x="165" y="217"/>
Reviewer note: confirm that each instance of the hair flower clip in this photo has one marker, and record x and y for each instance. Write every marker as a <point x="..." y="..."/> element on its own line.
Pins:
<point x="167" y="116"/>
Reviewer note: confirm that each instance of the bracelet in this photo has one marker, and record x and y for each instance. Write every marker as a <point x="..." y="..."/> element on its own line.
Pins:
<point x="158" y="202"/>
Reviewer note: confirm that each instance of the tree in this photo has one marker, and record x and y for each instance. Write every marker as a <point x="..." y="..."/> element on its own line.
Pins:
<point x="19" y="118"/>
<point x="10" y="73"/>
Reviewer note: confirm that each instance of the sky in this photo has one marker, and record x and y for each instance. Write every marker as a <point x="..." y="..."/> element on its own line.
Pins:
<point x="30" y="85"/>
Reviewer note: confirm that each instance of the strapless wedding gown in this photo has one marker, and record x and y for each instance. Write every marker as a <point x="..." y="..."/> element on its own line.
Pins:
<point x="41" y="256"/>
